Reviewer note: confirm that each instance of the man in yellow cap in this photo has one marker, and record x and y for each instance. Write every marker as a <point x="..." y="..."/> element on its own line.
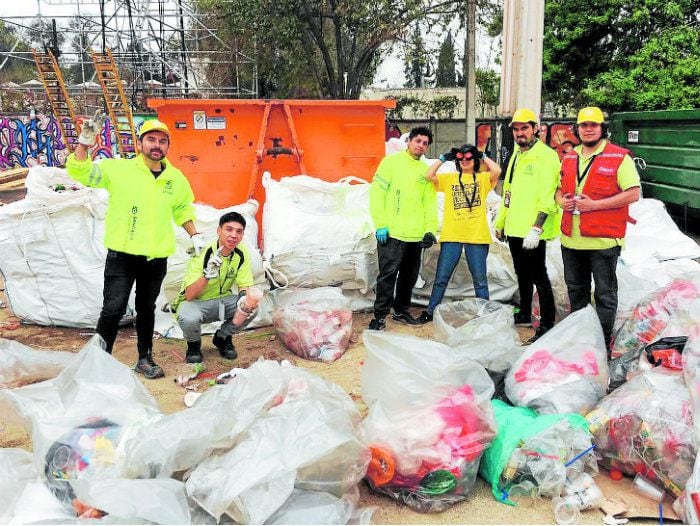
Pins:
<point x="146" y="194"/>
<point x="598" y="182"/>
<point x="529" y="216"/>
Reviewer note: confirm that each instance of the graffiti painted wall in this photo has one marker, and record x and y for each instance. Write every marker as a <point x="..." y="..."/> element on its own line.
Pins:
<point x="27" y="142"/>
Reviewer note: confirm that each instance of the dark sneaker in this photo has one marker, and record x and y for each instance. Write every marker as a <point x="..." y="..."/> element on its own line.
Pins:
<point x="405" y="317"/>
<point x="225" y="346"/>
<point x="194" y="352"/>
<point x="539" y="332"/>
<point x="425" y="317"/>
<point x="377" y="324"/>
<point x="147" y="367"/>
<point x="521" y="318"/>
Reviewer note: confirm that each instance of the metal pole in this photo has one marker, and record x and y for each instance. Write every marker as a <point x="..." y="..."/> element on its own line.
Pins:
<point x="182" y="48"/>
<point x="470" y="73"/>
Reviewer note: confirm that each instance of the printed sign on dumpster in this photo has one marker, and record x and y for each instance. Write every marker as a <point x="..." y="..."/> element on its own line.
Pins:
<point x="200" y="120"/>
<point x="216" y="123"/>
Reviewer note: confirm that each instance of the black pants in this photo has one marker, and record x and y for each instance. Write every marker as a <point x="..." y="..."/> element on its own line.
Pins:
<point x="121" y="271"/>
<point x="602" y="264"/>
<point x="400" y="258"/>
<point x="531" y="270"/>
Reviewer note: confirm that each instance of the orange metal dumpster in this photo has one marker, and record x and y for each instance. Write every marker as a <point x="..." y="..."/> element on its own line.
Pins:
<point x="223" y="146"/>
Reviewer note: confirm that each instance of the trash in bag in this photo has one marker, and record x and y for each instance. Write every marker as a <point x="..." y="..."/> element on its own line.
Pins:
<point x="427" y="429"/>
<point x="22" y="365"/>
<point x="18" y="469"/>
<point x="483" y="331"/>
<point x="88" y="445"/>
<point x="687" y="506"/>
<point x="314" y="323"/>
<point x="306" y="436"/>
<point x="565" y="371"/>
<point x="645" y="427"/>
<point x="542" y="450"/>
<point x="670" y="311"/>
<point x="665" y="352"/>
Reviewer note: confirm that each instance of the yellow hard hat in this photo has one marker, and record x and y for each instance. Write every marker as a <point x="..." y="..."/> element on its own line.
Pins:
<point x="153" y="125"/>
<point x="590" y="114"/>
<point x="523" y="115"/>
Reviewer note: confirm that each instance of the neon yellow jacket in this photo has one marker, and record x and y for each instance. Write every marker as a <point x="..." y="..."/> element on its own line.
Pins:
<point x="532" y="186"/>
<point x="141" y="208"/>
<point x="402" y="199"/>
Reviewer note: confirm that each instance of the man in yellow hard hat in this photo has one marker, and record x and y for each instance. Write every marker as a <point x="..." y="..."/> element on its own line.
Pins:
<point x="598" y="183"/>
<point x="146" y="195"/>
<point x="528" y="216"/>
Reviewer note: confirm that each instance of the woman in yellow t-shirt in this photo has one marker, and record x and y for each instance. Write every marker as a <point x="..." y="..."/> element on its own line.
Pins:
<point x="465" y="225"/>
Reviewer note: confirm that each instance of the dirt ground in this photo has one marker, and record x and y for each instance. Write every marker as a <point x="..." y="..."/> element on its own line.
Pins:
<point x="479" y="508"/>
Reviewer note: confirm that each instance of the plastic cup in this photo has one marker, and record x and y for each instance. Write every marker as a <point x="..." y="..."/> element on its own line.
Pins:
<point x="643" y="486"/>
<point x="565" y="512"/>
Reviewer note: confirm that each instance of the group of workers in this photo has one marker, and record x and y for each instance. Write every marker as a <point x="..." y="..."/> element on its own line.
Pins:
<point x="584" y="198"/>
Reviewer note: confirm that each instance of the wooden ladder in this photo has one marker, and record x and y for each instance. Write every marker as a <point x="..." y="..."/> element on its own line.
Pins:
<point x="115" y="100"/>
<point x="56" y="92"/>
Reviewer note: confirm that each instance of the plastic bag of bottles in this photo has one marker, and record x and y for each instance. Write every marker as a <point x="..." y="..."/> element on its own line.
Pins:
<point x="646" y="427"/>
<point x="535" y="451"/>
<point x="429" y="420"/>
<point x="314" y="323"/>
<point x="670" y="311"/>
<point x="565" y="371"/>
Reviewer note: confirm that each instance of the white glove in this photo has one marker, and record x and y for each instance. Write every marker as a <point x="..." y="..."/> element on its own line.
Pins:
<point x="533" y="238"/>
<point x="211" y="271"/>
<point x="91" y="127"/>
<point x="198" y="243"/>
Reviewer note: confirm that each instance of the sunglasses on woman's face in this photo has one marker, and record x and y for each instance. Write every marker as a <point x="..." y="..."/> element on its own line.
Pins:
<point x="462" y="156"/>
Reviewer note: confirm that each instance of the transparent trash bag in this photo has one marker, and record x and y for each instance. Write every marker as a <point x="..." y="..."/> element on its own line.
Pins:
<point x="564" y="371"/>
<point x="314" y="323"/>
<point x="22" y="365"/>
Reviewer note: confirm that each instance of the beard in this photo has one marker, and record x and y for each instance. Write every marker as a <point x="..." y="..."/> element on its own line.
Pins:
<point x="591" y="143"/>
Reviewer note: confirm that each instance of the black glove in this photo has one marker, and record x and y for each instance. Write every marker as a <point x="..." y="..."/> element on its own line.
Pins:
<point x="428" y="240"/>
<point x="449" y="156"/>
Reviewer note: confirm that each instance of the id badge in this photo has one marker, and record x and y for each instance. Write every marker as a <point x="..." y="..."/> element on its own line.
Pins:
<point x="506" y="199"/>
<point x="222" y="311"/>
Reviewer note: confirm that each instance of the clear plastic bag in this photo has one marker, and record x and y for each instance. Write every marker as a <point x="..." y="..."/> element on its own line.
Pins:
<point x="461" y="322"/>
<point x="565" y="371"/>
<point x="673" y="310"/>
<point x="645" y="426"/>
<point x="18" y="469"/>
<point x="429" y="421"/>
<point x="22" y="365"/>
<point x="314" y="323"/>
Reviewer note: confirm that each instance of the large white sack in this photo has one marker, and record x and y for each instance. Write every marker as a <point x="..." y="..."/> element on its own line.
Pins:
<point x="52" y="252"/>
<point x="655" y="236"/>
<point x="318" y="233"/>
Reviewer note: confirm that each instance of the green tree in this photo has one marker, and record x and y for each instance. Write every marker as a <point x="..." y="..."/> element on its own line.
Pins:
<point x="321" y="48"/>
<point x="416" y="61"/>
<point x="13" y="69"/>
<point x="603" y="50"/>
<point x="445" y="75"/>
<point x="488" y="84"/>
<point x="82" y="66"/>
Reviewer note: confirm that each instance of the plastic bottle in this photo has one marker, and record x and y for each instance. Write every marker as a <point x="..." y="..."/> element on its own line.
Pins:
<point x="250" y="302"/>
<point x="565" y="512"/>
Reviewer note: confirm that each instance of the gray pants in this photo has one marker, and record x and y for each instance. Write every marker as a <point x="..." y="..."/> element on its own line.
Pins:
<point x="192" y="314"/>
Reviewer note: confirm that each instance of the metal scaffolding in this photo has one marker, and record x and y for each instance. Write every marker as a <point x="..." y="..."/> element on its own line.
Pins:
<point x="163" y="48"/>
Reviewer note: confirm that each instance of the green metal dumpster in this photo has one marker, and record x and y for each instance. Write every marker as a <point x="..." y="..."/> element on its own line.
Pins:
<point x="666" y="149"/>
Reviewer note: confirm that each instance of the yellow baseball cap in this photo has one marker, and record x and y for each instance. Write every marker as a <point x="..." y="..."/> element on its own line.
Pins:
<point x="590" y="114"/>
<point x="151" y="126"/>
<point x="523" y="115"/>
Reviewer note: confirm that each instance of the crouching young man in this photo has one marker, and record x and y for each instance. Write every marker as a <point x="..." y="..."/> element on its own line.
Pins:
<point x="205" y="295"/>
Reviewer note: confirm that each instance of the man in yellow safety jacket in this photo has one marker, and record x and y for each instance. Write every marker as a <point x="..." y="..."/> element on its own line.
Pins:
<point x="146" y="195"/>
<point x="529" y="216"/>
<point x="403" y="205"/>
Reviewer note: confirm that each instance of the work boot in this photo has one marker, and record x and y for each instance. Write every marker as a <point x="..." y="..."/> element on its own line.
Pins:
<point x="425" y="317"/>
<point x="378" y="323"/>
<point x="539" y="332"/>
<point x="147" y="367"/>
<point x="521" y="318"/>
<point x="405" y="317"/>
<point x="225" y="346"/>
<point x="194" y="352"/>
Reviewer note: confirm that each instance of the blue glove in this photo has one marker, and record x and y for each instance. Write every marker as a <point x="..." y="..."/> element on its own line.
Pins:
<point x="382" y="235"/>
